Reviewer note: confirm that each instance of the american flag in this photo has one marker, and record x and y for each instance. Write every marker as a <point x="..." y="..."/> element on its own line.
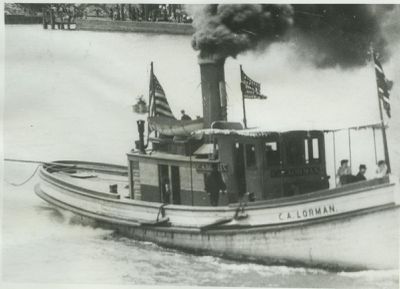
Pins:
<point x="384" y="85"/>
<point x="159" y="105"/>
<point x="250" y="88"/>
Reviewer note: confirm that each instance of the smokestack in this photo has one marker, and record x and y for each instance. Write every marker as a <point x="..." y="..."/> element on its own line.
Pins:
<point x="213" y="89"/>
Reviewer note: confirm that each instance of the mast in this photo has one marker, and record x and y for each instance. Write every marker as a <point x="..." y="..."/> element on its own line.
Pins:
<point x="385" y="144"/>
<point x="243" y="100"/>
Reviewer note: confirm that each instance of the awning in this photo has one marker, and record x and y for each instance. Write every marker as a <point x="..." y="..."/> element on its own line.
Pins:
<point x="260" y="132"/>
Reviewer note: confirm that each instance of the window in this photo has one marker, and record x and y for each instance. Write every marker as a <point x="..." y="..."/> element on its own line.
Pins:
<point x="315" y="148"/>
<point x="272" y="153"/>
<point x="306" y="156"/>
<point x="250" y="155"/>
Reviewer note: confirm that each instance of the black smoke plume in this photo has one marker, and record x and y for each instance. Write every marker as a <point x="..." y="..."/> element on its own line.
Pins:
<point x="339" y="34"/>
<point x="227" y="30"/>
<point x="328" y="34"/>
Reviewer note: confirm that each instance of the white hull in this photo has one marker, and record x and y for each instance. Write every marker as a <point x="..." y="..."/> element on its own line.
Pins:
<point x="355" y="228"/>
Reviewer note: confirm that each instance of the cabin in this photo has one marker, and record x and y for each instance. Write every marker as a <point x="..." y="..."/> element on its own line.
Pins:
<point x="181" y="158"/>
<point x="254" y="164"/>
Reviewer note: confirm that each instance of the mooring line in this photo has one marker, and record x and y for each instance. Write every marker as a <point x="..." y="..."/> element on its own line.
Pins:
<point x="27" y="180"/>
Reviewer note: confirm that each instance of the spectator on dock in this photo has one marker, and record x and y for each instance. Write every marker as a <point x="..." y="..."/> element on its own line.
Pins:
<point x="185" y="116"/>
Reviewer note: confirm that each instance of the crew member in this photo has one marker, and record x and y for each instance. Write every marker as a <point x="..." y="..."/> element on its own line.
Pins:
<point x="361" y="174"/>
<point x="166" y="192"/>
<point x="382" y="169"/>
<point x="214" y="184"/>
<point x="343" y="173"/>
<point x="185" y="116"/>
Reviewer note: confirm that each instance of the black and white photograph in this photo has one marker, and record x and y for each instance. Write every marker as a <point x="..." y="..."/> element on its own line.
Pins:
<point x="208" y="144"/>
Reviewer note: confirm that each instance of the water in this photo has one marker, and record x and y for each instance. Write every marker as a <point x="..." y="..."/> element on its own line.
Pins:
<point x="68" y="96"/>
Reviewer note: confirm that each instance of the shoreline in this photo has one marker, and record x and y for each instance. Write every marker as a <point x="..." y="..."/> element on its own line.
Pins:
<point x="22" y="19"/>
<point x="134" y="26"/>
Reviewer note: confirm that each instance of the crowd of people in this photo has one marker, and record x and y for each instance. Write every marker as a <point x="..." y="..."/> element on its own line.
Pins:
<point x="344" y="175"/>
<point x="62" y="12"/>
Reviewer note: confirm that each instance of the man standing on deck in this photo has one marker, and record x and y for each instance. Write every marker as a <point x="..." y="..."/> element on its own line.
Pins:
<point x="185" y="116"/>
<point x="214" y="184"/>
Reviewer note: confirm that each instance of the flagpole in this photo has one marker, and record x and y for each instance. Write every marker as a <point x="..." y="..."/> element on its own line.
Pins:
<point x="151" y="88"/>
<point x="385" y="144"/>
<point x="243" y="99"/>
<point x="152" y="94"/>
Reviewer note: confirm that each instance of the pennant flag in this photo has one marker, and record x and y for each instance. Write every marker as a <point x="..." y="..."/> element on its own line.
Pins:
<point x="250" y="88"/>
<point x="384" y="85"/>
<point x="159" y="105"/>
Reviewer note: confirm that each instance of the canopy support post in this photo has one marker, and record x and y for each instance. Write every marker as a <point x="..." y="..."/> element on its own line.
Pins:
<point x="334" y="156"/>
<point x="376" y="156"/>
<point x="281" y="172"/>
<point x="191" y="171"/>
<point x="349" y="135"/>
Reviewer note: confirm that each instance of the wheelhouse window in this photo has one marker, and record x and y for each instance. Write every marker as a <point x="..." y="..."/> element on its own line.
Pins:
<point x="315" y="149"/>
<point x="250" y="155"/>
<point x="272" y="153"/>
<point x="306" y="156"/>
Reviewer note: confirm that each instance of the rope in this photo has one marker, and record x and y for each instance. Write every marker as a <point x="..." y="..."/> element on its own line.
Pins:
<point x="27" y="180"/>
<point x="34" y="172"/>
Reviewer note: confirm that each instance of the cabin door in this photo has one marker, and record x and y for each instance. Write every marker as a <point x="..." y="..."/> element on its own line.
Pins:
<point x="164" y="183"/>
<point x="175" y="185"/>
<point x="240" y="170"/>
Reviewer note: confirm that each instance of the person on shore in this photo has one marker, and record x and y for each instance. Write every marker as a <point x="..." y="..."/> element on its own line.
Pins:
<point x="214" y="185"/>
<point x="185" y="116"/>
<point x="382" y="169"/>
<point x="343" y="173"/>
<point x="361" y="174"/>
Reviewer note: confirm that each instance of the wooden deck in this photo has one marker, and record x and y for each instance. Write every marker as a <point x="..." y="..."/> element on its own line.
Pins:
<point x="101" y="182"/>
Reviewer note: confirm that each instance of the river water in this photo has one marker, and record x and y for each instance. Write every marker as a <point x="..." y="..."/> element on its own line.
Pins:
<point x="69" y="96"/>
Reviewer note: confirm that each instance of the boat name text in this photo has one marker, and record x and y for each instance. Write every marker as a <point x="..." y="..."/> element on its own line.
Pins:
<point x="307" y="213"/>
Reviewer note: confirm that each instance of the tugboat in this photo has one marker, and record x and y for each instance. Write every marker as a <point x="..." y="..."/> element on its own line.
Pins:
<point x="211" y="186"/>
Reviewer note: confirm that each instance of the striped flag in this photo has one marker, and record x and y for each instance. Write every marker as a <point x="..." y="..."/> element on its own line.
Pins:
<point x="250" y="88"/>
<point x="160" y="105"/>
<point x="384" y="85"/>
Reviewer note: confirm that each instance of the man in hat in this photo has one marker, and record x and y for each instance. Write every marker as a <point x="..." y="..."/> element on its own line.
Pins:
<point x="361" y="174"/>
